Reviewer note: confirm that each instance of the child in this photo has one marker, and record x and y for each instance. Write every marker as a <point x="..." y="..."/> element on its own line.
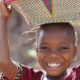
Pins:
<point x="55" y="50"/>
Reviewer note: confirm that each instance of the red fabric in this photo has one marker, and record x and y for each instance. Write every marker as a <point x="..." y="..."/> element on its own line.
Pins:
<point x="30" y="74"/>
<point x="74" y="74"/>
<point x="7" y="1"/>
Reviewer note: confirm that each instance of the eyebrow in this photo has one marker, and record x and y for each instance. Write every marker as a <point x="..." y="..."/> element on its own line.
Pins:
<point x="63" y="43"/>
<point x="43" y="43"/>
<point x="59" y="43"/>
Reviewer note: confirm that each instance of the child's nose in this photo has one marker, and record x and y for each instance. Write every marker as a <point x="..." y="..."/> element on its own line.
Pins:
<point x="53" y="54"/>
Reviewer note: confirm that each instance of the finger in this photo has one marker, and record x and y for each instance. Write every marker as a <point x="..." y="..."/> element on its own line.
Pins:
<point x="3" y="7"/>
<point x="4" y="11"/>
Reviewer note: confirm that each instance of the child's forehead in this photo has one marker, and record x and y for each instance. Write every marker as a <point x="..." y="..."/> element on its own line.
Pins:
<point x="55" y="35"/>
<point x="55" y="29"/>
<point x="56" y="32"/>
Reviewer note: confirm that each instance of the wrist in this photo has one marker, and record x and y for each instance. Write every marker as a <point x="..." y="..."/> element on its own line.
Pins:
<point x="3" y="19"/>
<point x="3" y="25"/>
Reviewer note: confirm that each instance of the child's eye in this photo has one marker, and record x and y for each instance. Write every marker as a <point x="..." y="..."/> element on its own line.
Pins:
<point x="44" y="48"/>
<point x="64" y="48"/>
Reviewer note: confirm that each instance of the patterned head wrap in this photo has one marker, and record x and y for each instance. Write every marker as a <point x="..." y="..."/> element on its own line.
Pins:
<point x="47" y="11"/>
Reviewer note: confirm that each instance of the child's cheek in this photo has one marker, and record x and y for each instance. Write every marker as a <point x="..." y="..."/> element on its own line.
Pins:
<point x="41" y="57"/>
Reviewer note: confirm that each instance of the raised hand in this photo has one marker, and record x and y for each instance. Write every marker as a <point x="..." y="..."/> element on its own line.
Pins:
<point x="6" y="64"/>
<point x="4" y="11"/>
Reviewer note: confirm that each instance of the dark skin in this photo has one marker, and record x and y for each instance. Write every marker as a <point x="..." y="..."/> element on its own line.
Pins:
<point x="59" y="77"/>
<point x="6" y="64"/>
<point x="57" y="49"/>
<point x="55" y="46"/>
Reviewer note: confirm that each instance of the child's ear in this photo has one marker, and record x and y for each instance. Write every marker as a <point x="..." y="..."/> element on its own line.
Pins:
<point x="37" y="50"/>
<point x="74" y="53"/>
<point x="37" y="53"/>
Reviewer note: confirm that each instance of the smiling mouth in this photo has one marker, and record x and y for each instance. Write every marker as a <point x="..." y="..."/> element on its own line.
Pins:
<point x="54" y="65"/>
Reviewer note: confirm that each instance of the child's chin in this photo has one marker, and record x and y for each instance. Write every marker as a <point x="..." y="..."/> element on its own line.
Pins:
<point x="54" y="74"/>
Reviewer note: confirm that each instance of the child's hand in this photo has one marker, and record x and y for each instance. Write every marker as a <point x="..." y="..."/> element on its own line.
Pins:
<point x="4" y="11"/>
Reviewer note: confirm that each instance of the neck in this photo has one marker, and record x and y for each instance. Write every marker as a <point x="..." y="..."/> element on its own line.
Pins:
<point x="59" y="77"/>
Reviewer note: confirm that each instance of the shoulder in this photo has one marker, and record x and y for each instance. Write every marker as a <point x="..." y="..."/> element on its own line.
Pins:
<point x="74" y="73"/>
<point x="26" y="73"/>
<point x="31" y="73"/>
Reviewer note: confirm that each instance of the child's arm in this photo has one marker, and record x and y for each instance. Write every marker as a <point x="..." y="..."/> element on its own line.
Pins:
<point x="6" y="64"/>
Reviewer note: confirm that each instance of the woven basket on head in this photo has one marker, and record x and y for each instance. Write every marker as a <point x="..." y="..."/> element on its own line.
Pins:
<point x="47" y="11"/>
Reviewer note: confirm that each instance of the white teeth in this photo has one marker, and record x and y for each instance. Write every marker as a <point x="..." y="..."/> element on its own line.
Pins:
<point x="53" y="64"/>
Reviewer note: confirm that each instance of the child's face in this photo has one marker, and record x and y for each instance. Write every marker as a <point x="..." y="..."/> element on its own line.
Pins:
<point x="55" y="50"/>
